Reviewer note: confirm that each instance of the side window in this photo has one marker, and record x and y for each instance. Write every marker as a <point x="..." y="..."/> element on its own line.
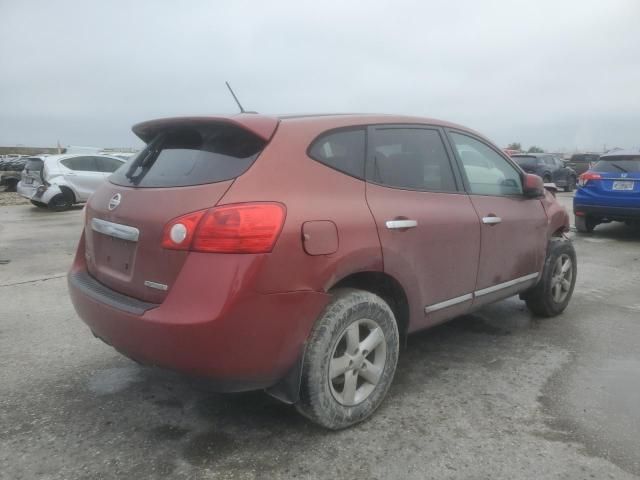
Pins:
<point x="412" y="159"/>
<point x="488" y="173"/>
<point x="342" y="150"/>
<point x="83" y="164"/>
<point x="109" y="165"/>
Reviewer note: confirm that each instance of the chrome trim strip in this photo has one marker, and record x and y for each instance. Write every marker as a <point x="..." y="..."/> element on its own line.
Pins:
<point x="116" y="230"/>
<point x="399" y="224"/>
<point x="510" y="283"/>
<point x="156" y="285"/>
<point x="448" y="303"/>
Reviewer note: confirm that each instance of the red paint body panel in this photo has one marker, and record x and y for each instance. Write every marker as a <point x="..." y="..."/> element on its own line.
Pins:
<point x="211" y="325"/>
<point x="244" y="319"/>
<point x="515" y="247"/>
<point x="148" y="209"/>
<point x="438" y="259"/>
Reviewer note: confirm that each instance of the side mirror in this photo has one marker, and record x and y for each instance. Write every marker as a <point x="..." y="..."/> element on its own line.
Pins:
<point x="533" y="186"/>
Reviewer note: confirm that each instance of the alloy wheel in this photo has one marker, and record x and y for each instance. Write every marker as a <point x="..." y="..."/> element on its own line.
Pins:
<point x="357" y="362"/>
<point x="561" y="278"/>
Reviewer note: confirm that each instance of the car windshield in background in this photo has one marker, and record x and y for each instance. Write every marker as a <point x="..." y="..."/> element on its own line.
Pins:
<point x="191" y="156"/>
<point x="624" y="164"/>
<point x="526" y="161"/>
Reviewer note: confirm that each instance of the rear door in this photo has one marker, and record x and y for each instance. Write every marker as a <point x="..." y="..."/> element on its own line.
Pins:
<point x="82" y="175"/>
<point x="428" y="228"/>
<point x="182" y="170"/>
<point x="514" y="228"/>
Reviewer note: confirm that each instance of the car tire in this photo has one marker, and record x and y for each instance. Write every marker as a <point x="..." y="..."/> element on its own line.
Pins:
<point x="59" y="203"/>
<point x="553" y="292"/>
<point x="585" y="224"/>
<point x="571" y="184"/>
<point x="546" y="179"/>
<point x="12" y="185"/>
<point x="350" y="360"/>
<point x="38" y="204"/>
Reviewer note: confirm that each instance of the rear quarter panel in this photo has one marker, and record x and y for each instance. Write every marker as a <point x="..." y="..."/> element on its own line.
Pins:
<point x="310" y="191"/>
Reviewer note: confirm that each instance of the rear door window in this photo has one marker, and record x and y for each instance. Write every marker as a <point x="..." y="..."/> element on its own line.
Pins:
<point x="191" y="156"/>
<point x="33" y="165"/>
<point x="82" y="164"/>
<point x="343" y="150"/>
<point x="410" y="159"/>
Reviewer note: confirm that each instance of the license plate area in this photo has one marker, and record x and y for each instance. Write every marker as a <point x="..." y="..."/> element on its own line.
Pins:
<point x="623" y="185"/>
<point x="114" y="255"/>
<point x="28" y="181"/>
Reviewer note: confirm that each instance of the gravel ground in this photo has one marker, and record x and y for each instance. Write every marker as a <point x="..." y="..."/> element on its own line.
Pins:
<point x="12" y="198"/>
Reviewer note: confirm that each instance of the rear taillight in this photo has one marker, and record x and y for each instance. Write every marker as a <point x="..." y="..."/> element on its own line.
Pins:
<point x="237" y="228"/>
<point x="586" y="176"/>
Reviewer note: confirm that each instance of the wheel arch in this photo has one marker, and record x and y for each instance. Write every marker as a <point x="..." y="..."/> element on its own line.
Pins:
<point x="379" y="283"/>
<point x="387" y="288"/>
<point x="68" y="191"/>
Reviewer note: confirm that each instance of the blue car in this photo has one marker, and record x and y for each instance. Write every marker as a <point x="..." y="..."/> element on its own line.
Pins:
<point x="609" y="191"/>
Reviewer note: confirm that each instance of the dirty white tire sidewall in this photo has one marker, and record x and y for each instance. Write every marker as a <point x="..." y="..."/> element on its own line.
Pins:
<point x="316" y="399"/>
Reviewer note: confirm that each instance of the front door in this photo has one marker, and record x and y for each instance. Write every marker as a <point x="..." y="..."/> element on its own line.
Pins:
<point x="514" y="227"/>
<point x="428" y="228"/>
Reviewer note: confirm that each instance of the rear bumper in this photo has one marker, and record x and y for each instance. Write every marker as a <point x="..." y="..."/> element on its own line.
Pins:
<point x="27" y="191"/>
<point x="249" y="344"/>
<point x="612" y="213"/>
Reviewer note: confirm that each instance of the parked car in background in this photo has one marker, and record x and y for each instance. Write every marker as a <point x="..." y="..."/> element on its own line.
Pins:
<point x="60" y="181"/>
<point x="249" y="250"/>
<point x="10" y="168"/>
<point x="581" y="162"/>
<point x="548" y="167"/>
<point x="609" y="191"/>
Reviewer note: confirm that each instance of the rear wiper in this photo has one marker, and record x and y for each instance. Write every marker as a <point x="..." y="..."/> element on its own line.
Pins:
<point x="145" y="159"/>
<point x="620" y="168"/>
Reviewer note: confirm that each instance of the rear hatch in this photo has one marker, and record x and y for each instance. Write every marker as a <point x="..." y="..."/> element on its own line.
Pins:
<point x="619" y="178"/>
<point x="32" y="174"/>
<point x="188" y="165"/>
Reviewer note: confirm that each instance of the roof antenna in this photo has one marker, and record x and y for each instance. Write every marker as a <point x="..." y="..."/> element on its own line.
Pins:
<point x="242" y="110"/>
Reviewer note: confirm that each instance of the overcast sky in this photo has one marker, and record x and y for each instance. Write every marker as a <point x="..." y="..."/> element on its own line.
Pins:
<point x="560" y="74"/>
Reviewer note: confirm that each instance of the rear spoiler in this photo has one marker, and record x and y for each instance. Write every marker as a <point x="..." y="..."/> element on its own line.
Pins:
<point x="262" y="126"/>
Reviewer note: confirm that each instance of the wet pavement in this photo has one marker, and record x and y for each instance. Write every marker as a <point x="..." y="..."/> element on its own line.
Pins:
<point x="498" y="394"/>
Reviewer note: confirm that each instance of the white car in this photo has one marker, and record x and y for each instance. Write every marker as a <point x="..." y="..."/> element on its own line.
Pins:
<point x="60" y="181"/>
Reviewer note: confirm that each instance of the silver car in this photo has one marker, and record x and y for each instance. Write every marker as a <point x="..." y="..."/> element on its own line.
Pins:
<point x="60" y="181"/>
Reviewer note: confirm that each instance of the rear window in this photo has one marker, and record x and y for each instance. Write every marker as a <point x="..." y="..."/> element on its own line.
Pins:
<point x="342" y="150"/>
<point x="526" y="161"/>
<point x="618" y="164"/>
<point x="191" y="156"/>
<point x="33" y="165"/>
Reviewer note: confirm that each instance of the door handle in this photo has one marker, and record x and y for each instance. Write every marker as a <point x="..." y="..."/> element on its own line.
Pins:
<point x="401" y="224"/>
<point x="491" y="219"/>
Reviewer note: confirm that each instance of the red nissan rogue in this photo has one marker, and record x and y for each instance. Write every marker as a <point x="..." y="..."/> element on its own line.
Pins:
<point x="295" y="253"/>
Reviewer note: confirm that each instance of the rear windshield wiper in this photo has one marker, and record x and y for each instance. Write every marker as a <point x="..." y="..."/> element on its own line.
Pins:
<point x="145" y="159"/>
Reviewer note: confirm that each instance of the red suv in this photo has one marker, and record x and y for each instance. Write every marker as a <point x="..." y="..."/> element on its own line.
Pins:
<point x="295" y="253"/>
